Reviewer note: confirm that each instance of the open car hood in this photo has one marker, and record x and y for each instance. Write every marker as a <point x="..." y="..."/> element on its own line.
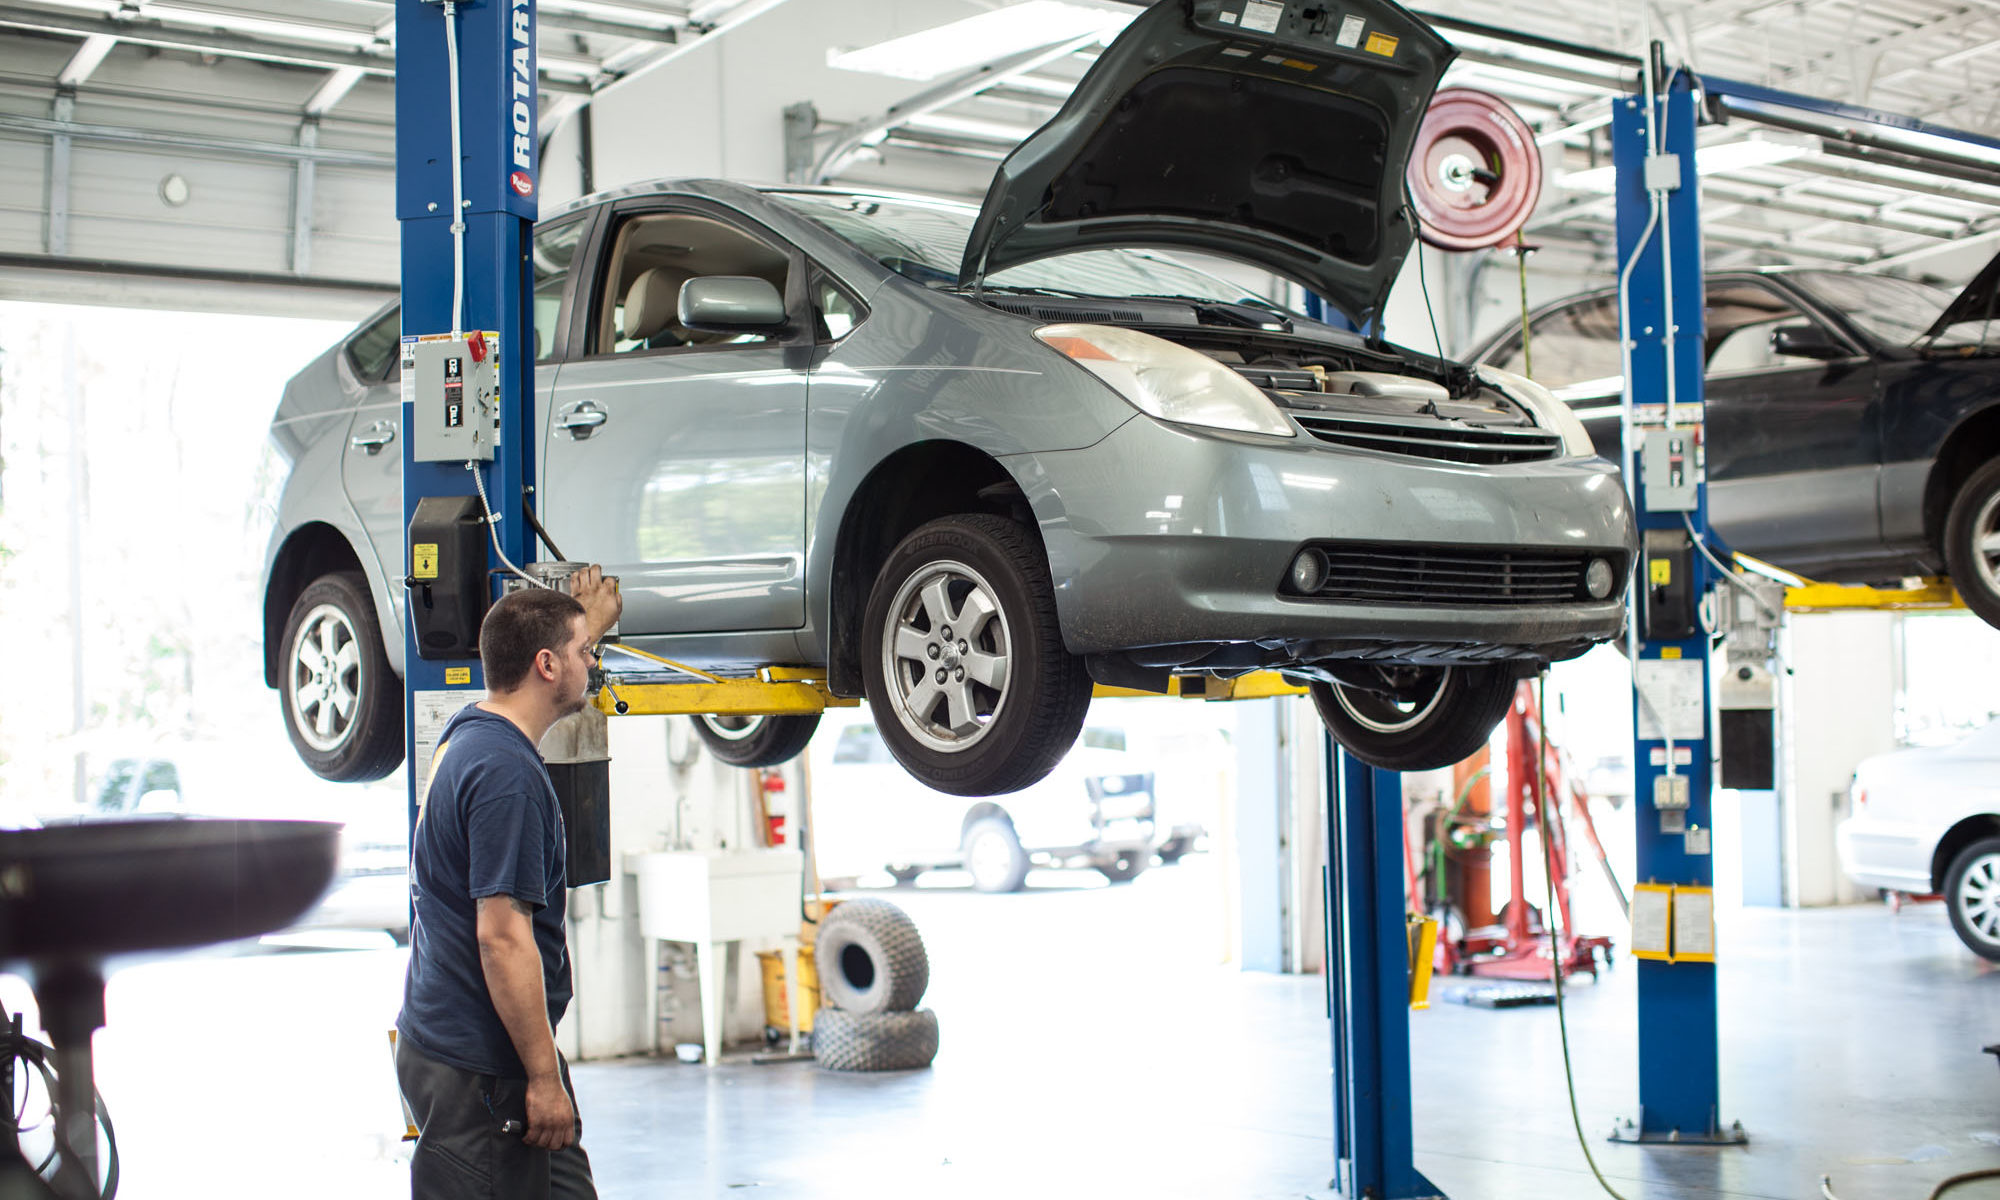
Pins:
<point x="1980" y="301"/>
<point x="1271" y="132"/>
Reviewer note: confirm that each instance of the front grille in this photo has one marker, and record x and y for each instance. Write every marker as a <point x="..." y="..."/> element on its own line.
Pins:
<point x="1384" y="573"/>
<point x="1450" y="441"/>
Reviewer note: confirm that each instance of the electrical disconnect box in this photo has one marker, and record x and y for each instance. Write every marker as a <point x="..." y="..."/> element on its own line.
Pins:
<point x="1670" y="799"/>
<point x="453" y="385"/>
<point x="1669" y="467"/>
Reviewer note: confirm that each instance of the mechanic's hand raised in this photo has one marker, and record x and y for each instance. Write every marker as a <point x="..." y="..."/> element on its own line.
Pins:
<point x="551" y="1115"/>
<point x="598" y="593"/>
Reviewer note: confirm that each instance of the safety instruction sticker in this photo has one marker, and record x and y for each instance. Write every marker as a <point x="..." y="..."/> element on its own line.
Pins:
<point x="1263" y="15"/>
<point x="424" y="560"/>
<point x="1382" y="44"/>
<point x="433" y="709"/>
<point x="456" y="676"/>
<point x="1671" y="695"/>
<point x="1660" y="571"/>
<point x="1652" y="910"/>
<point x="1351" y="28"/>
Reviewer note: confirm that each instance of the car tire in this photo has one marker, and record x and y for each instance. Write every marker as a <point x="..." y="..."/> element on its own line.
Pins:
<point x="904" y="876"/>
<point x="870" y="958"/>
<point x="993" y="856"/>
<point x="893" y="1041"/>
<point x="1450" y="713"/>
<point x="1972" y="896"/>
<point x="1173" y="850"/>
<point x="997" y="734"/>
<point x="1972" y="542"/>
<point x="755" y="741"/>
<point x="1124" y="867"/>
<point x="332" y="648"/>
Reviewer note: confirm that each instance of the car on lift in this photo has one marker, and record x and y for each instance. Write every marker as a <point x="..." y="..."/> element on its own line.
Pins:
<point x="970" y="461"/>
<point x="1927" y="822"/>
<point x="1852" y="421"/>
<point x="1095" y="810"/>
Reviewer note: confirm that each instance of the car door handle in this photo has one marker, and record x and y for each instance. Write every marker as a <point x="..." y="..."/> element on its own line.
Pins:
<point x="582" y="420"/>
<point x="373" y="438"/>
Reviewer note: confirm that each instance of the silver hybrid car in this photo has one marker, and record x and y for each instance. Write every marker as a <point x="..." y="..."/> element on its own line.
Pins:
<point x="969" y="461"/>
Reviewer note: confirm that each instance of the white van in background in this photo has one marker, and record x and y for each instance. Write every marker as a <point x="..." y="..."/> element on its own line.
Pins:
<point x="1095" y="810"/>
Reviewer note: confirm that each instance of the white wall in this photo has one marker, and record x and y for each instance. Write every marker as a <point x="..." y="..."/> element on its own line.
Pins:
<point x="1837" y="709"/>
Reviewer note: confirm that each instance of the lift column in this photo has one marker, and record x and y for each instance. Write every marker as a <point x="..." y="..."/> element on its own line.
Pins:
<point x="1661" y="253"/>
<point x="1368" y="983"/>
<point x="500" y="167"/>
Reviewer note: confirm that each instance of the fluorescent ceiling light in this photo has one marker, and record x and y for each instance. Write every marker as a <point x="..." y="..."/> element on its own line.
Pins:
<point x="1759" y="149"/>
<point x="962" y="45"/>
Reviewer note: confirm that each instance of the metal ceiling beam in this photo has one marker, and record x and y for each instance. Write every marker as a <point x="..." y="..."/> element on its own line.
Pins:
<point x="1922" y="252"/>
<point x="735" y="16"/>
<point x="86" y="60"/>
<point x="340" y="82"/>
<point x="963" y="86"/>
<point x="155" y="138"/>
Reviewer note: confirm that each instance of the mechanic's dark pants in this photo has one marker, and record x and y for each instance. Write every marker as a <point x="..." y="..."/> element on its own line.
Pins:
<point x="463" y="1155"/>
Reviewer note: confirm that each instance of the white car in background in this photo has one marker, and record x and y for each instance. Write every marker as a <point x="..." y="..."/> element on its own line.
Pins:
<point x="1927" y="821"/>
<point x="1096" y="809"/>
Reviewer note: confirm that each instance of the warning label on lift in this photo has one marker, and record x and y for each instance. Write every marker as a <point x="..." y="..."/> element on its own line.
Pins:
<point x="424" y="560"/>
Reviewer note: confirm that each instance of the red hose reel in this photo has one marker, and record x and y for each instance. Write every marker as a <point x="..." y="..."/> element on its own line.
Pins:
<point x="1475" y="173"/>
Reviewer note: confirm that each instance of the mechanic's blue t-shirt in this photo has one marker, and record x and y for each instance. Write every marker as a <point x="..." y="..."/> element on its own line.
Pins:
<point x="490" y="826"/>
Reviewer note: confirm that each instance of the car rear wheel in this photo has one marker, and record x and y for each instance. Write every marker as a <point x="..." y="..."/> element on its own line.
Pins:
<point x="993" y="856"/>
<point x="343" y="705"/>
<point x="1416" y="718"/>
<point x="1972" y="542"/>
<point x="1972" y="895"/>
<point x="755" y="741"/>
<point x="1124" y="866"/>
<point x="966" y="671"/>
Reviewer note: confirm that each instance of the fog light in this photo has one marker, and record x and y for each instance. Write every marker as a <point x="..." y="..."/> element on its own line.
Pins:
<point x="1597" y="579"/>
<point x="1308" y="571"/>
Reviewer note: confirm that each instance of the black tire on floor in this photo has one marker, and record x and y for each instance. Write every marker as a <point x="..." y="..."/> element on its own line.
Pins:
<point x="1972" y="542"/>
<point x="759" y="741"/>
<point x="905" y="876"/>
<point x="1972" y="896"/>
<point x="893" y="1041"/>
<point x="871" y="958"/>
<point x="1125" y="866"/>
<point x="1448" y="713"/>
<point x="332" y="652"/>
<point x="963" y="734"/>
<point x="994" y="857"/>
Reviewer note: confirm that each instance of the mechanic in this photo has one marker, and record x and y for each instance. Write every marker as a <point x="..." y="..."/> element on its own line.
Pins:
<point x="489" y="973"/>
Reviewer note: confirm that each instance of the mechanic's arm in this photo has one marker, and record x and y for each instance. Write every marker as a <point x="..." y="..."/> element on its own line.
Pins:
<point x="513" y="969"/>
<point x="598" y="593"/>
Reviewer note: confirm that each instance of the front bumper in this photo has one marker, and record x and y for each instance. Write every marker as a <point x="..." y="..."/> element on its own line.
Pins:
<point x="1165" y="537"/>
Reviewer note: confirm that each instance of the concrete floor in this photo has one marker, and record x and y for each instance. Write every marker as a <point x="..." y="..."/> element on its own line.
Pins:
<point x="1093" y="1046"/>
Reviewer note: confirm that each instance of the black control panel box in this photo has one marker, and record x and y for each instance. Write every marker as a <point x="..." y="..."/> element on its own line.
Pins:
<point x="447" y="578"/>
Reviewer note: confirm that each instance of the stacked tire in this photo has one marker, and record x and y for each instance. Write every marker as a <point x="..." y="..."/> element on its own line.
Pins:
<point x="872" y="974"/>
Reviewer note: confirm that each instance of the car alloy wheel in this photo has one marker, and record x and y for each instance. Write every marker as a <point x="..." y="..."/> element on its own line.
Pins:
<point x="325" y="680"/>
<point x="1415" y="697"/>
<point x="1972" y="894"/>
<point x="993" y="856"/>
<point x="755" y="740"/>
<point x="947" y="651"/>
<point x="1971" y="542"/>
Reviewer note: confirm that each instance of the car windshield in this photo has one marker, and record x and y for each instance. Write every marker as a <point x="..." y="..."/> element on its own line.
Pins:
<point x="1895" y="311"/>
<point x="926" y="242"/>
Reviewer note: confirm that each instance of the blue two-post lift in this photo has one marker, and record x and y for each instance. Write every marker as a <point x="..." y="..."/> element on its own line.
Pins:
<point x="1367" y="955"/>
<point x="485" y="264"/>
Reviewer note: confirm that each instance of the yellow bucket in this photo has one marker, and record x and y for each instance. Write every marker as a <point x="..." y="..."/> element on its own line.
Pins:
<point x="775" y="1016"/>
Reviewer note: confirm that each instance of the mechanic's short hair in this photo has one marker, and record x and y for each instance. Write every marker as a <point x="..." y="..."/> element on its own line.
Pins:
<point x="522" y="625"/>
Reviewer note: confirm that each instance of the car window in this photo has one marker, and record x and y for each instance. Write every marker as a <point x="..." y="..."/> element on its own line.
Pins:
<point x="372" y="352"/>
<point x="117" y="785"/>
<point x="654" y="255"/>
<point x="1738" y="325"/>
<point x="160" y="776"/>
<point x="1575" y="345"/>
<point x="1104" y="739"/>
<point x="860" y="744"/>
<point x="554" y="253"/>
<point x="835" y="313"/>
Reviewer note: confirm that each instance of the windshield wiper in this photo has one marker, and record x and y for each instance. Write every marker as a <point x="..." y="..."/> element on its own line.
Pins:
<point x="1024" y="290"/>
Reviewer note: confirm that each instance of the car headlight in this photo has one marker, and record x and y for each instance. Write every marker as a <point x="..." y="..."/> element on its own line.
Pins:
<point x="1549" y="412"/>
<point x="1166" y="380"/>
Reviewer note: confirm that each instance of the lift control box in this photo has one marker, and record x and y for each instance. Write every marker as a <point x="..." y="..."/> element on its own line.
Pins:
<point x="1670" y="611"/>
<point x="453" y="386"/>
<point x="447" y="579"/>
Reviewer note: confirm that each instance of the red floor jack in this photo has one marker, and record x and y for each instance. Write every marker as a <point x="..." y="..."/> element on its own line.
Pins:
<point x="1519" y="946"/>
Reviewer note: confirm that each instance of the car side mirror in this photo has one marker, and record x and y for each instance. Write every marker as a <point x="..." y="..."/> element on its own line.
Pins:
<point x="1807" y="341"/>
<point x="732" y="304"/>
